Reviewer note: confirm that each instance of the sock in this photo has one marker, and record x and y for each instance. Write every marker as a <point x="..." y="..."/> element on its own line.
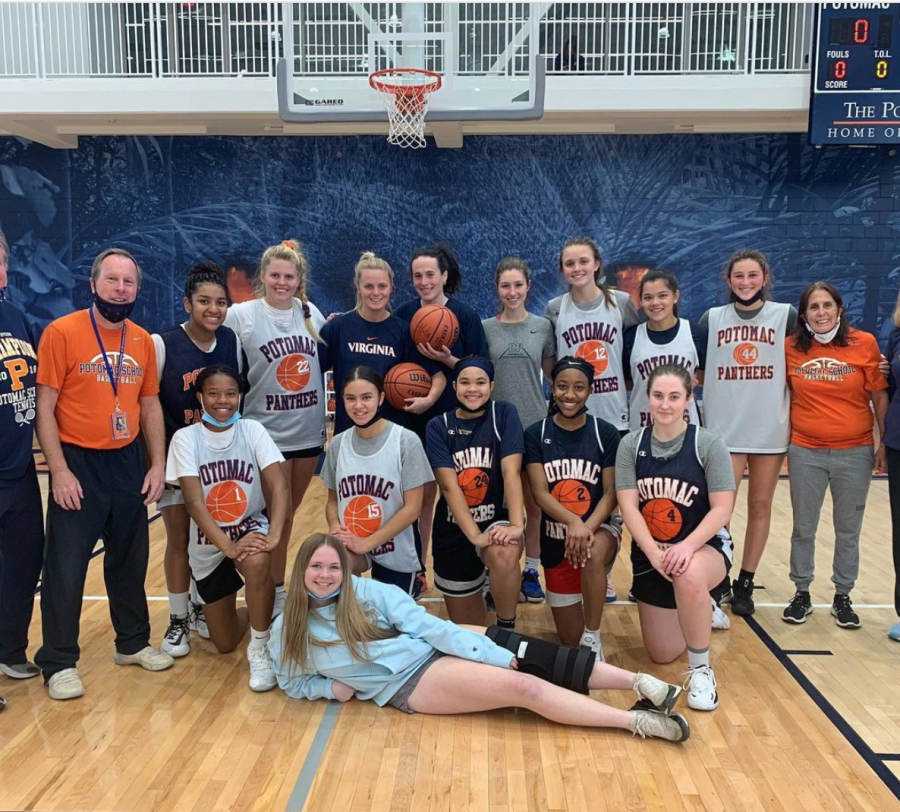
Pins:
<point x="506" y="623"/>
<point x="258" y="639"/>
<point x="745" y="575"/>
<point x="279" y="589"/>
<point x="178" y="604"/>
<point x="595" y="633"/>
<point x="532" y="563"/>
<point x="698" y="658"/>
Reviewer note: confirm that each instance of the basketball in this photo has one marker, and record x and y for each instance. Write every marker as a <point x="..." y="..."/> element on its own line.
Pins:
<point x="405" y="381"/>
<point x="362" y="516"/>
<point x="474" y="485"/>
<point x="435" y="325"/>
<point x="293" y="372"/>
<point x="572" y="495"/>
<point x="226" y="502"/>
<point x="663" y="519"/>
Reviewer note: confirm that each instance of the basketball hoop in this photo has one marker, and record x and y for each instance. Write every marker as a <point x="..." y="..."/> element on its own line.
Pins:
<point x="406" y="93"/>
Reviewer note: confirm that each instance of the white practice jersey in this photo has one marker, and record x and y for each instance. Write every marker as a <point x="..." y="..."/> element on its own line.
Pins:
<point x="646" y="356"/>
<point x="369" y="493"/>
<point x="287" y="393"/>
<point x="229" y="465"/>
<point x="597" y="337"/>
<point x="745" y="394"/>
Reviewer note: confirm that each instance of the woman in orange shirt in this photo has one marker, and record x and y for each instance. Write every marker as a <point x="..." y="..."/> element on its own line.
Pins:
<point x="833" y="374"/>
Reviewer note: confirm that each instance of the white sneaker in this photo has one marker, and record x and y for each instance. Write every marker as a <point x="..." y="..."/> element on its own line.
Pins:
<point x="661" y="694"/>
<point x="593" y="643"/>
<point x="701" y="688"/>
<point x="719" y="619"/>
<point x="152" y="659"/>
<point x="611" y="595"/>
<point x="262" y="677"/>
<point x="66" y="684"/>
<point x="280" y="601"/>
<point x="197" y="620"/>
<point x="177" y="642"/>
<point x="673" y="728"/>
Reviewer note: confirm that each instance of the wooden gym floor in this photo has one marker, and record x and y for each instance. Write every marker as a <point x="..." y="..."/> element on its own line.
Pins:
<point x="809" y="719"/>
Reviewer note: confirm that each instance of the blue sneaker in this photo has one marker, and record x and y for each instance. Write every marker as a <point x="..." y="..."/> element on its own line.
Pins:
<point x="531" y="587"/>
<point x="894" y="632"/>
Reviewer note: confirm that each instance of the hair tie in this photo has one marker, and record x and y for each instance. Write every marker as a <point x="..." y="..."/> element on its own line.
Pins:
<point x="287" y="244"/>
<point x="307" y="314"/>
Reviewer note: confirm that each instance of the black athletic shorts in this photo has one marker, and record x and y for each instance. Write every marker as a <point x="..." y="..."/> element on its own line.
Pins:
<point x="303" y="453"/>
<point x="407" y="581"/>
<point x="458" y="570"/>
<point x="223" y="581"/>
<point x="651" y="588"/>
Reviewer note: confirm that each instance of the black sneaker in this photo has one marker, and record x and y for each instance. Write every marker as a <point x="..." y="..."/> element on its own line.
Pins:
<point x="842" y="610"/>
<point x="797" y="610"/>
<point x="742" y="598"/>
<point x="721" y="592"/>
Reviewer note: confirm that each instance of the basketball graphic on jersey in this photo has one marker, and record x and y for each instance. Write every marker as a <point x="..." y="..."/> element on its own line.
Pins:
<point x="293" y="372"/>
<point x="226" y="502"/>
<point x="595" y="353"/>
<point x="474" y="484"/>
<point x="663" y="519"/>
<point x="572" y="495"/>
<point x="362" y="516"/>
<point x="746" y="354"/>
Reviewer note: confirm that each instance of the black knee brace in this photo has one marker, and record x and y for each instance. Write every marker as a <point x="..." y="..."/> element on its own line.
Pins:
<point x="562" y="665"/>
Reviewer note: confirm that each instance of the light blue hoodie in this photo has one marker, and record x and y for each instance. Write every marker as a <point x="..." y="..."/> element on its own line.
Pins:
<point x="392" y="661"/>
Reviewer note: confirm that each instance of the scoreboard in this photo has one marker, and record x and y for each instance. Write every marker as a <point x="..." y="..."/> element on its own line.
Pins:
<point x="855" y="81"/>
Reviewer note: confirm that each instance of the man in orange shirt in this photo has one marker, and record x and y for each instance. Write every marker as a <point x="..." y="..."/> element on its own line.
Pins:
<point x="97" y="391"/>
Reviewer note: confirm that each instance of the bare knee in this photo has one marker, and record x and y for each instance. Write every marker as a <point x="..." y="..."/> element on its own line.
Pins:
<point x="690" y="583"/>
<point x="256" y="569"/>
<point x="663" y="655"/>
<point x="502" y="558"/>
<point x="528" y="689"/>
<point x="224" y="644"/>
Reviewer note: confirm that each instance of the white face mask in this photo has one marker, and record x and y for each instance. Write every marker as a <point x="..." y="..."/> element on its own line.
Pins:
<point x="824" y="338"/>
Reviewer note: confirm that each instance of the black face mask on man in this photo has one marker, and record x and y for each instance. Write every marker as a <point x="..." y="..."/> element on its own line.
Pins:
<point x="112" y="311"/>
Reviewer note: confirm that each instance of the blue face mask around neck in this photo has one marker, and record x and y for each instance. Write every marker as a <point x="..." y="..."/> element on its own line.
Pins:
<point x="208" y="418"/>
<point x="327" y="597"/>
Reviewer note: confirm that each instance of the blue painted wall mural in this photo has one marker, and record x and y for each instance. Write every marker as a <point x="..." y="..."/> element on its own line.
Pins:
<point x="678" y="202"/>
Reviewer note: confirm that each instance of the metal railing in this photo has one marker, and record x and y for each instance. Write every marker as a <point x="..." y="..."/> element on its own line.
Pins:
<point x="156" y="40"/>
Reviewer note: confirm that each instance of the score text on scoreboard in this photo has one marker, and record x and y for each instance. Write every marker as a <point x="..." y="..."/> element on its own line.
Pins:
<point x="855" y="95"/>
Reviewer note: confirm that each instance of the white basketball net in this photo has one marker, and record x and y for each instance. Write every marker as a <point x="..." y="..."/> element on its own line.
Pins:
<point x="406" y="94"/>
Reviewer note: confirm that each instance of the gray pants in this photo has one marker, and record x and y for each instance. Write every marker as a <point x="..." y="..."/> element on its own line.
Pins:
<point x="849" y="472"/>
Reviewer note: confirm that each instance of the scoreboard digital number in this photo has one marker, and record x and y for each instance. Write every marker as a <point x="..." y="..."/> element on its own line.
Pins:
<point x="855" y="85"/>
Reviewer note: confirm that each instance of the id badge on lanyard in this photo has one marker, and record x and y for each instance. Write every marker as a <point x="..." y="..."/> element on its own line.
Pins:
<point x="118" y="419"/>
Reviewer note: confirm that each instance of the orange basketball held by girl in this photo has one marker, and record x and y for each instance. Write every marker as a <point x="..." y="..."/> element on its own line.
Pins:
<point x="522" y="349"/>
<point x="746" y="401"/>
<point x="571" y="462"/>
<point x="279" y="333"/>
<point x="476" y="453"/>
<point x="344" y="637"/>
<point x="454" y="327"/>
<point x="676" y="492"/>
<point x="221" y="465"/>
<point x="370" y="335"/>
<point x="376" y="473"/>
<point x="182" y="352"/>
<point x="663" y="338"/>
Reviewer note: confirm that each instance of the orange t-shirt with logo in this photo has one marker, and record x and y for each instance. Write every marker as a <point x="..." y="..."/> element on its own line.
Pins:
<point x="830" y="389"/>
<point x="69" y="360"/>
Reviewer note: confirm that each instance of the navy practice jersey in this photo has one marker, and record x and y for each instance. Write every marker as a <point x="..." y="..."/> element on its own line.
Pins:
<point x="352" y="341"/>
<point x="184" y="362"/>
<point x="18" y="373"/>
<point x="471" y="341"/>
<point x="573" y="462"/>
<point x="672" y="493"/>
<point x="474" y="449"/>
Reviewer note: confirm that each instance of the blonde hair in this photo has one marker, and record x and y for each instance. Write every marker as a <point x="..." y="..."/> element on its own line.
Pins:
<point x="897" y="312"/>
<point x="289" y="251"/>
<point x="4" y="246"/>
<point x="356" y="623"/>
<point x="369" y="262"/>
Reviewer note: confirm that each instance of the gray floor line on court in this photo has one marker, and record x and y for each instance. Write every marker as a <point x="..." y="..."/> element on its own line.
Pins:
<point x="313" y="758"/>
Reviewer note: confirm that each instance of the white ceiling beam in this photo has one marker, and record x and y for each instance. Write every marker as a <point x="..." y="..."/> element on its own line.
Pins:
<point x="45" y="134"/>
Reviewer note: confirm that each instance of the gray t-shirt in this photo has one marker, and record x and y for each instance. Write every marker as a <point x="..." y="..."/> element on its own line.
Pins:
<point x="517" y="350"/>
<point x="714" y="458"/>
<point x="749" y="314"/>
<point x="630" y="316"/>
<point x="415" y="470"/>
